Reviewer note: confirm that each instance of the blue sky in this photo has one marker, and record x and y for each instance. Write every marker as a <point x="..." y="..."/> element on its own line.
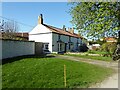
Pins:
<point x="54" y="13"/>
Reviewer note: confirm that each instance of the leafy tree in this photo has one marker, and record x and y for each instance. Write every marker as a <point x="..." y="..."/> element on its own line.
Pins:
<point x="96" y="19"/>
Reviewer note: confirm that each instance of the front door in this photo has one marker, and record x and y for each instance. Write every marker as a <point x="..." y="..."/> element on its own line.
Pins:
<point x="65" y="47"/>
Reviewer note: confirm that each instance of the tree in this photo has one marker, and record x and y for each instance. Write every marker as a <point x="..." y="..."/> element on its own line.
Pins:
<point x="8" y="29"/>
<point x="96" y="19"/>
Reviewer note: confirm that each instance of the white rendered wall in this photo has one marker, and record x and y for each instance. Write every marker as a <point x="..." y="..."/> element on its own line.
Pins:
<point x="17" y="48"/>
<point x="41" y="34"/>
<point x="44" y="38"/>
<point x="40" y="29"/>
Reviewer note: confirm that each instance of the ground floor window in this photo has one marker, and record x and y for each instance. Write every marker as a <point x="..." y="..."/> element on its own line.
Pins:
<point x="70" y="46"/>
<point x="61" y="47"/>
<point x="46" y="46"/>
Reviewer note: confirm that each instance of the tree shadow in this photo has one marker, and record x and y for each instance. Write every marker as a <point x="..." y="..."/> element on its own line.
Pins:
<point x="10" y="60"/>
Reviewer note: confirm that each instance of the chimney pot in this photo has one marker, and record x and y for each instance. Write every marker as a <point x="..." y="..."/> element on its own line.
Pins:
<point x="41" y="15"/>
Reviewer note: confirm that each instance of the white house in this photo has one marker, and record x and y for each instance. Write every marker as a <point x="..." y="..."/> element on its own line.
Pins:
<point x="55" y="39"/>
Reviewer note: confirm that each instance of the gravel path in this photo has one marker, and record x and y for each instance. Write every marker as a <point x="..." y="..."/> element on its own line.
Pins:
<point x="110" y="82"/>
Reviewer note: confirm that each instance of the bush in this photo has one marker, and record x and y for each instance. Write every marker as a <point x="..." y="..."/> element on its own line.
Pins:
<point x="109" y="47"/>
<point x="83" y="48"/>
<point x="97" y="49"/>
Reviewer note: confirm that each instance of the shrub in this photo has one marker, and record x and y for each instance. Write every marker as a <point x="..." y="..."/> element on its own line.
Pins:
<point x="97" y="49"/>
<point x="109" y="47"/>
<point x="86" y="54"/>
<point x="83" y="48"/>
<point x="112" y="47"/>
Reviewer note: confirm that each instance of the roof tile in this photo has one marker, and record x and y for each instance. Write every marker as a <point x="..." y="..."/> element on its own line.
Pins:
<point x="61" y="31"/>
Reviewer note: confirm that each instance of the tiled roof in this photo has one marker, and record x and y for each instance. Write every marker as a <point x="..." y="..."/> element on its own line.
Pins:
<point x="61" y="31"/>
<point x="110" y="38"/>
<point x="25" y="35"/>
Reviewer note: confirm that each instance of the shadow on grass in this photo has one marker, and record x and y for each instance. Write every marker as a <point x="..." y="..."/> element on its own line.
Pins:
<point x="10" y="60"/>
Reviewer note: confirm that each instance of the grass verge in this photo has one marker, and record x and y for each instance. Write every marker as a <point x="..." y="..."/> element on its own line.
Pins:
<point x="96" y="52"/>
<point x="91" y="57"/>
<point x="46" y="72"/>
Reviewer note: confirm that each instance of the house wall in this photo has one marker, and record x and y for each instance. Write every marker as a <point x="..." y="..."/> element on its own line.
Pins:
<point x="40" y="29"/>
<point x="74" y="40"/>
<point x="54" y="42"/>
<point x="12" y="48"/>
<point x="65" y="39"/>
<point x="80" y="41"/>
<point x="41" y="34"/>
<point x="44" y="38"/>
<point x="55" y="39"/>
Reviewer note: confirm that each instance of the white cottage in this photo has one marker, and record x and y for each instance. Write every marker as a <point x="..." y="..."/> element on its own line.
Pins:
<point x="55" y="39"/>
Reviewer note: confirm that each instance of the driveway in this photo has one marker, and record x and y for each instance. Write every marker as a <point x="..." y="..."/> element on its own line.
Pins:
<point x="110" y="82"/>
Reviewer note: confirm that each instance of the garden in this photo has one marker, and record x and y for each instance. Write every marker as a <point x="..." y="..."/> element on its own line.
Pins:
<point x="104" y="53"/>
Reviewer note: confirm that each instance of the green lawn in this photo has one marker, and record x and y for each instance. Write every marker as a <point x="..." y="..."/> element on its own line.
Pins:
<point x="96" y="52"/>
<point x="35" y="72"/>
<point x="91" y="57"/>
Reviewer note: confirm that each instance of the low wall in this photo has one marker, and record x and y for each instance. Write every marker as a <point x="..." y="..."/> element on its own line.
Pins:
<point x="11" y="48"/>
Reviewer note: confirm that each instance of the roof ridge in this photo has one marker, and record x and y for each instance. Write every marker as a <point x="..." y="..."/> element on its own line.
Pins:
<point x="52" y="26"/>
<point x="61" y="31"/>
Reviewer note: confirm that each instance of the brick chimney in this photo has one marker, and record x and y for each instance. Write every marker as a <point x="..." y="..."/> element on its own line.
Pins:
<point x="71" y="30"/>
<point x="68" y="29"/>
<point x="64" y="28"/>
<point x="40" y="19"/>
